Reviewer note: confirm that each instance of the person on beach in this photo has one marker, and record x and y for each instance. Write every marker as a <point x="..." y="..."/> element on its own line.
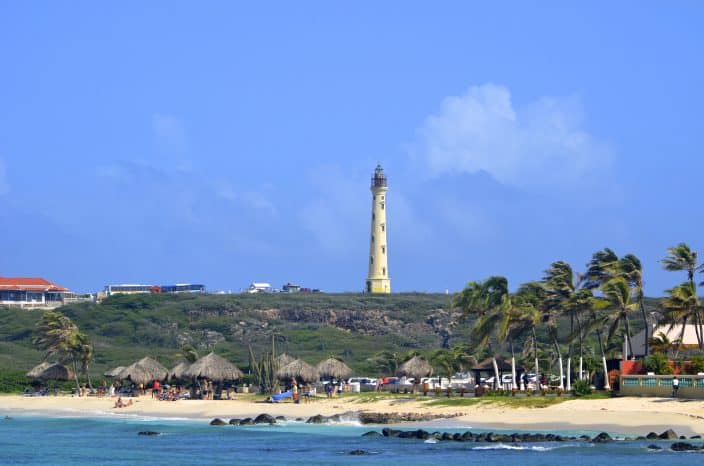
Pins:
<point x="120" y="404"/>
<point x="294" y="391"/>
<point x="675" y="386"/>
<point x="328" y="390"/>
<point x="156" y="389"/>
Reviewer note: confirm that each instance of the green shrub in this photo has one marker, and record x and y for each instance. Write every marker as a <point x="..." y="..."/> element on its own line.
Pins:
<point x="657" y="363"/>
<point x="582" y="388"/>
<point x="696" y="364"/>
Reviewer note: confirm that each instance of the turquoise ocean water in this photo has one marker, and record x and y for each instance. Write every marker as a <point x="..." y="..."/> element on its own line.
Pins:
<point x="96" y="441"/>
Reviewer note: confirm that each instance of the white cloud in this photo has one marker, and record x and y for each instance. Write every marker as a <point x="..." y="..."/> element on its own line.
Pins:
<point x="4" y="184"/>
<point x="539" y="145"/>
<point x="249" y="199"/>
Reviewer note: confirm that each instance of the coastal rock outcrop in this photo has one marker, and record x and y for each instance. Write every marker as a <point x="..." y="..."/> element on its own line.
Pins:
<point x="602" y="438"/>
<point x="217" y="422"/>
<point x="669" y="434"/>
<point x="394" y="418"/>
<point x="148" y="433"/>
<point x="684" y="446"/>
<point x="265" y="419"/>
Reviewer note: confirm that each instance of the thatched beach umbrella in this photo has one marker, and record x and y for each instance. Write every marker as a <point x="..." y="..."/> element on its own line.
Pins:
<point x="50" y="371"/>
<point x="298" y="369"/>
<point x="284" y="359"/>
<point x="334" y="368"/>
<point x="114" y="372"/>
<point x="144" y="371"/>
<point x="178" y="370"/>
<point x="415" y="367"/>
<point x="213" y="367"/>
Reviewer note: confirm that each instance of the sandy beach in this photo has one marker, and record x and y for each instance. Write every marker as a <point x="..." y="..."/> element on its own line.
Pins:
<point x="632" y="416"/>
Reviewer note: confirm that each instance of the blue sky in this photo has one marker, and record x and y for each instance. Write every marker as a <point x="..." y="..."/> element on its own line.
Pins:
<point x="225" y="143"/>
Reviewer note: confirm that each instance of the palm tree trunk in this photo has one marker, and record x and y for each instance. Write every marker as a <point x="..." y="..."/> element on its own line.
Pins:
<point x="628" y="337"/>
<point x="641" y="305"/>
<point x="607" y="385"/>
<point x="75" y="377"/>
<point x="559" y="360"/>
<point x="496" y="373"/>
<point x="513" y="367"/>
<point x="535" y="355"/>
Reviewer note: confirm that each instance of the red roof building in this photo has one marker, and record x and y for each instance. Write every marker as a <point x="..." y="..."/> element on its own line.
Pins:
<point x="31" y="292"/>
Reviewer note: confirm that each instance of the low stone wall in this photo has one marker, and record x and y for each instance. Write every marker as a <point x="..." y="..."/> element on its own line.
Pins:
<point x="691" y="386"/>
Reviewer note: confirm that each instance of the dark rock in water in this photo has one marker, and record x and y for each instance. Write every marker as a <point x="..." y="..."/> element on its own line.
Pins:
<point x="446" y="436"/>
<point x="652" y="446"/>
<point x="694" y="437"/>
<point x="359" y="452"/>
<point x="683" y="446"/>
<point x="317" y="419"/>
<point x="148" y="432"/>
<point x="264" y="419"/>
<point x="683" y="437"/>
<point x="640" y="437"/>
<point x="669" y="434"/>
<point x="422" y="434"/>
<point x="587" y="438"/>
<point x="457" y="437"/>
<point x="602" y="438"/>
<point x="388" y="432"/>
<point x="467" y="436"/>
<point x="217" y="422"/>
<point x="406" y="434"/>
<point x="299" y="419"/>
<point x="280" y="418"/>
<point x="372" y="433"/>
<point x="248" y="421"/>
<point x="652" y="436"/>
<point x="235" y="422"/>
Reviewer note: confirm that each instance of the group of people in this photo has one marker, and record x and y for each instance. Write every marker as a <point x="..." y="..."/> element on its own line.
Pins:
<point x="308" y="392"/>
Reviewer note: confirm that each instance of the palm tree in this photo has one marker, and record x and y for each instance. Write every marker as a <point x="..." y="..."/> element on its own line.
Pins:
<point x="662" y="344"/>
<point x="682" y="306"/>
<point x="631" y="269"/>
<point x="618" y="294"/>
<point x="683" y="300"/>
<point x="188" y="353"/>
<point x="681" y="257"/>
<point x="561" y="285"/>
<point x="60" y="337"/>
<point x="529" y="299"/>
<point x="486" y="302"/>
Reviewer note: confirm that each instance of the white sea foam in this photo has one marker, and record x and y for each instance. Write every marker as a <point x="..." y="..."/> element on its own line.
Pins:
<point x="503" y="446"/>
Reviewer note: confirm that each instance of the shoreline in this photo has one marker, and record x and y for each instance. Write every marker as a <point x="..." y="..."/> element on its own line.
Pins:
<point x="628" y="416"/>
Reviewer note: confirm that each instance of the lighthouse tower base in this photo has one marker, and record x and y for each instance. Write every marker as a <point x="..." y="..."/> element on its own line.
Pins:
<point x="378" y="285"/>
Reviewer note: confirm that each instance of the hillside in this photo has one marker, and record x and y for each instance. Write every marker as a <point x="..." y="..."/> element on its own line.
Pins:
<point x="310" y="326"/>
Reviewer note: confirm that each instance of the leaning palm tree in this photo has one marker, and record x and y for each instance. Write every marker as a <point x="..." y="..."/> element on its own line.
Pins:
<point x="486" y="302"/>
<point x="60" y="337"/>
<point x="681" y="257"/>
<point x="618" y="294"/>
<point x="631" y="269"/>
<point x="529" y="299"/>
<point x="682" y="307"/>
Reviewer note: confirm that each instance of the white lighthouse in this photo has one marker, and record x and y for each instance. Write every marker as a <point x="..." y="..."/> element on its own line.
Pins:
<point x="378" y="280"/>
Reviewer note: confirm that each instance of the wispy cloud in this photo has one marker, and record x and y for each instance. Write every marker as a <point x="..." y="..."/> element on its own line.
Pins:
<point x="4" y="184"/>
<point x="249" y="199"/>
<point x="169" y="133"/>
<point x="542" y="144"/>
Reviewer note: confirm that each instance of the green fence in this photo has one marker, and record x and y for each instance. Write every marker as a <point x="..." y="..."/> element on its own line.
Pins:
<point x="691" y="386"/>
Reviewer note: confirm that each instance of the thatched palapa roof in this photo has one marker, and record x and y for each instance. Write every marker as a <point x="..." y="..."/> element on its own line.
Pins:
<point x="50" y="371"/>
<point x="213" y="367"/>
<point x="298" y="369"/>
<point x="334" y="368"/>
<point x="415" y="367"/>
<point x="144" y="371"/>
<point x="114" y="372"/>
<point x="178" y="370"/>
<point x="284" y="359"/>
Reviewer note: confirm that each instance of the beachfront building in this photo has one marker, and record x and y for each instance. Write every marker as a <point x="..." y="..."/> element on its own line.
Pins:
<point x="378" y="280"/>
<point x="673" y="335"/>
<point x="152" y="289"/>
<point x="33" y="293"/>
